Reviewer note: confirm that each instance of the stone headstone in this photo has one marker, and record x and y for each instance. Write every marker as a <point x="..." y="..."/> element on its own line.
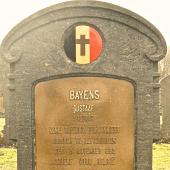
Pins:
<point x="2" y="110"/>
<point x="3" y="68"/>
<point x="83" y="88"/>
<point x="3" y="91"/>
<point x="165" y="100"/>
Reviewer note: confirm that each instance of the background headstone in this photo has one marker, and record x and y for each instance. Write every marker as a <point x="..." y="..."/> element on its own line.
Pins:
<point x="2" y="109"/>
<point x="165" y="107"/>
<point x="3" y="68"/>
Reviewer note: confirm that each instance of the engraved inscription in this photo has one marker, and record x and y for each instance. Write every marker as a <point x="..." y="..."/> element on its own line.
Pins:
<point x="84" y="95"/>
<point x="84" y="123"/>
<point x="83" y="108"/>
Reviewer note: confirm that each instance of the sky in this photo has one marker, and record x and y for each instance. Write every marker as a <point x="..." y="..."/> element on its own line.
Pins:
<point x="155" y="11"/>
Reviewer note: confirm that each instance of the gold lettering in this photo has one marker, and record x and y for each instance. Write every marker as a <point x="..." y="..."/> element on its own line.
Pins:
<point x="84" y="95"/>
<point x="63" y="161"/>
<point x="83" y="108"/>
<point x="71" y="95"/>
<point x="97" y="95"/>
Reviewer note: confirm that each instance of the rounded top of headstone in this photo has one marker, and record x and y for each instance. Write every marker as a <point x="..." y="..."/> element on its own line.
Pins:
<point x="58" y="12"/>
<point x="165" y="79"/>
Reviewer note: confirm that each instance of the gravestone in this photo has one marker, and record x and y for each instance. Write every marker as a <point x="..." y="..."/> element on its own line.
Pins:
<point x="2" y="110"/>
<point x="83" y="88"/>
<point x="165" y="100"/>
<point x="3" y="90"/>
<point x="2" y="84"/>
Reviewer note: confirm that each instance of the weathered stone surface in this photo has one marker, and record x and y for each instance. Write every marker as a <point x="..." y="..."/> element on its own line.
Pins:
<point x="35" y="53"/>
<point x="3" y="93"/>
<point x="3" y="71"/>
<point x="2" y="109"/>
<point x="165" y="107"/>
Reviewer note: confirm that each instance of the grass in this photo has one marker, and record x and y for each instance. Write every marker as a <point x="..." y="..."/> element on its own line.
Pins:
<point x="161" y="156"/>
<point x="8" y="159"/>
<point x="8" y="156"/>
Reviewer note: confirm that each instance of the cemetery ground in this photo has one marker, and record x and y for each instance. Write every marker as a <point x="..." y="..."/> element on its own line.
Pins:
<point x="8" y="157"/>
<point x="161" y="155"/>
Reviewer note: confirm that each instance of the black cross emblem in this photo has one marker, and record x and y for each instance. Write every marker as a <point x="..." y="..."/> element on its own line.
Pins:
<point x="82" y="41"/>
